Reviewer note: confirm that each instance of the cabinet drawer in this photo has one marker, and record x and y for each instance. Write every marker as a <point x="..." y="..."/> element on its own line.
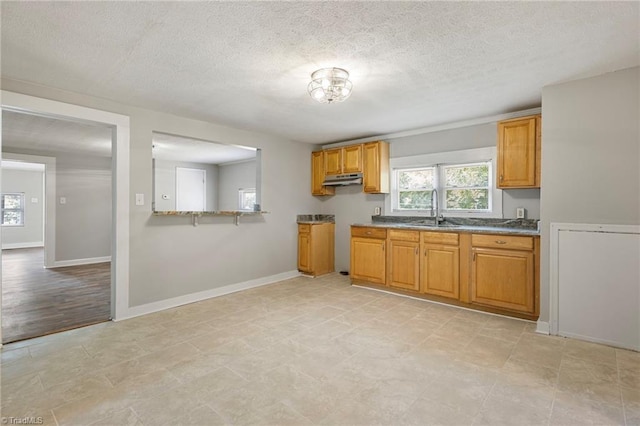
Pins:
<point x="448" y="238"/>
<point x="304" y="228"/>
<point x="502" y="241"/>
<point x="395" y="234"/>
<point x="368" y="232"/>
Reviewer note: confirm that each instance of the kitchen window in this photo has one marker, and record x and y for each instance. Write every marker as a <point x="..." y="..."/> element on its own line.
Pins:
<point x="12" y="209"/>
<point x="463" y="181"/>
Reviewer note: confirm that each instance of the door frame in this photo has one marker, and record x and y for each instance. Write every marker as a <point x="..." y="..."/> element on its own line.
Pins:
<point x="120" y="178"/>
<point x="204" y="186"/>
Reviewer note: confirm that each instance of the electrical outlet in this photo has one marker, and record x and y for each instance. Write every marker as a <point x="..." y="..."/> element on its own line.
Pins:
<point x="139" y="199"/>
<point x="376" y="211"/>
<point x="520" y="211"/>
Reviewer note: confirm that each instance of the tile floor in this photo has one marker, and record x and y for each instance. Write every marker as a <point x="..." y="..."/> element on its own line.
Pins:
<point x="317" y="351"/>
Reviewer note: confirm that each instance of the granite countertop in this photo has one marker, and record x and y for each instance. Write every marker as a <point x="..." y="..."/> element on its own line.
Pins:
<point x="477" y="226"/>
<point x="315" y="218"/>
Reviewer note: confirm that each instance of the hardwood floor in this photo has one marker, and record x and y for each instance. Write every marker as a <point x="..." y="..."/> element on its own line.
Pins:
<point x="38" y="301"/>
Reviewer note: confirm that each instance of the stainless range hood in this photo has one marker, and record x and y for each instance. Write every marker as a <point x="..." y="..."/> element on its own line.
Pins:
<point x="343" y="180"/>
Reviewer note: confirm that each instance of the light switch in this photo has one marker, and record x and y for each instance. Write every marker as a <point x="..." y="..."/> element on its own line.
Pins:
<point x="34" y="200"/>
<point x="63" y="200"/>
<point x="139" y="199"/>
<point x="520" y="212"/>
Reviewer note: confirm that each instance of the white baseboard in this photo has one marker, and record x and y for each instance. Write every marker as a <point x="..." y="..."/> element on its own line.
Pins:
<point x="135" y="311"/>
<point x="615" y="344"/>
<point x="76" y="262"/>
<point x="10" y="246"/>
<point x="542" y="327"/>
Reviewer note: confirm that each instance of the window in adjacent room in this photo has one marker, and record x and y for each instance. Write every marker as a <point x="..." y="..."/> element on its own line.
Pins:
<point x="13" y="209"/>
<point x="246" y="198"/>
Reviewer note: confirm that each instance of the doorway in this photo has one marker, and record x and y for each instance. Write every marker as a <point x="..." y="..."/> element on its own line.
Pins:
<point x="118" y="237"/>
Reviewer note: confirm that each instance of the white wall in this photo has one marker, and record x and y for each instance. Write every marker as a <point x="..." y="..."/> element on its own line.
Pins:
<point x="590" y="157"/>
<point x="165" y="183"/>
<point x="232" y="178"/>
<point x="83" y="224"/>
<point x="31" y="183"/>
<point x="350" y="205"/>
<point x="169" y="257"/>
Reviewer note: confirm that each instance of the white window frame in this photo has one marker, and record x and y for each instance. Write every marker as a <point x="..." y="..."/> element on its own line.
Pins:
<point x="20" y="210"/>
<point x="467" y="156"/>
<point x="241" y="194"/>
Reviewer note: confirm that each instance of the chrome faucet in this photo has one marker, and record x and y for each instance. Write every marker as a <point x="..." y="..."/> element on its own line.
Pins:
<point x="435" y="217"/>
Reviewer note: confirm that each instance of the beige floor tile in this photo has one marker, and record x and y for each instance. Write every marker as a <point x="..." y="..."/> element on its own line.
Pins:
<point x="569" y="410"/>
<point x="124" y="417"/>
<point x="318" y="351"/>
<point x="425" y="411"/>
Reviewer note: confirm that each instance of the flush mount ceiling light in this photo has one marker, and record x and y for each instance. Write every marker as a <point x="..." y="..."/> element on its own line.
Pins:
<point x="330" y="85"/>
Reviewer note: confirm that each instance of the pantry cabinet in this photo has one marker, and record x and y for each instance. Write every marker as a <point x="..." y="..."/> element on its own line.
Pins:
<point x="403" y="259"/>
<point x="440" y="264"/>
<point x="368" y="254"/>
<point x="316" y="248"/>
<point x="318" y="174"/>
<point x="519" y="149"/>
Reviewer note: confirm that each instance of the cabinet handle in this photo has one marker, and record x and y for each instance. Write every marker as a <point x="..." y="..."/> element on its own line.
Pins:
<point x="382" y="246"/>
<point x="368" y="232"/>
<point x="474" y="257"/>
<point x="425" y="252"/>
<point x="501" y="242"/>
<point x="416" y="251"/>
<point x="500" y="178"/>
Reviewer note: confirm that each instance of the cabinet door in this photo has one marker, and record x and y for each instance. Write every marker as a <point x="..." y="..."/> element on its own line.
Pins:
<point x="368" y="259"/>
<point x="440" y="270"/>
<point x="317" y="175"/>
<point x="503" y="279"/>
<point x="375" y="172"/>
<point x="333" y="161"/>
<point x="304" y="252"/>
<point x="404" y="265"/>
<point x="517" y="153"/>
<point x="352" y="159"/>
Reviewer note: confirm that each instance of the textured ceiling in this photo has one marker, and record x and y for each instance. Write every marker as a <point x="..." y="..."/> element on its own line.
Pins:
<point x="32" y="133"/>
<point x="247" y="64"/>
<point x="35" y="134"/>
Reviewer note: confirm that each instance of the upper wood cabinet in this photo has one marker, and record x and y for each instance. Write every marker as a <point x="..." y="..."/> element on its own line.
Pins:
<point x="347" y="159"/>
<point x="376" y="167"/>
<point x="317" y="175"/>
<point x="519" y="148"/>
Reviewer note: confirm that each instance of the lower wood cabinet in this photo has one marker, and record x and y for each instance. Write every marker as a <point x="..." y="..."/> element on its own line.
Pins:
<point x="316" y="248"/>
<point x="440" y="264"/>
<point x="504" y="278"/>
<point x="368" y="254"/>
<point x="403" y="259"/>
<point x="497" y="273"/>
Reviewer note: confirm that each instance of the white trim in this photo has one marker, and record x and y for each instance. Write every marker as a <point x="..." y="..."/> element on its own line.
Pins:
<point x="542" y="327"/>
<point x="49" y="201"/>
<point x="76" y="262"/>
<point x="554" y="266"/>
<point x="120" y="167"/>
<point x="11" y="246"/>
<point x="450" y="157"/>
<point x="615" y="344"/>
<point x="440" y="127"/>
<point x="161" y="305"/>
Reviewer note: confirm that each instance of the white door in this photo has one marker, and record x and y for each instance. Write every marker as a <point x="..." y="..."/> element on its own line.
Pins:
<point x="191" y="189"/>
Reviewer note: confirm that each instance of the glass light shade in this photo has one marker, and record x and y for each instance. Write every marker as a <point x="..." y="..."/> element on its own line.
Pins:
<point x="330" y="85"/>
